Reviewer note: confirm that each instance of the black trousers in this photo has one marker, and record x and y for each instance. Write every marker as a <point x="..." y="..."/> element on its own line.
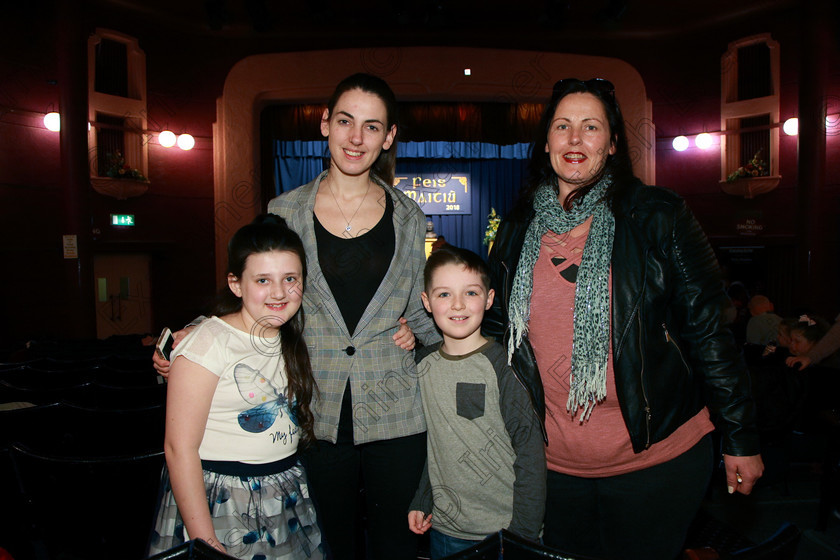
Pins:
<point x="388" y="471"/>
<point x="641" y="515"/>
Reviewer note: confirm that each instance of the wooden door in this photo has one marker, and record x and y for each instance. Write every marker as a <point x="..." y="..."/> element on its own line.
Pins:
<point x="123" y="294"/>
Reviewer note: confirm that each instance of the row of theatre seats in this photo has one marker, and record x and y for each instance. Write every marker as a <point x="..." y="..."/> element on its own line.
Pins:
<point x="81" y="449"/>
<point x="81" y="437"/>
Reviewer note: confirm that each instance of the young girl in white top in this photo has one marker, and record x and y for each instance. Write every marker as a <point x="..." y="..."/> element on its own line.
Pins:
<point x="238" y="400"/>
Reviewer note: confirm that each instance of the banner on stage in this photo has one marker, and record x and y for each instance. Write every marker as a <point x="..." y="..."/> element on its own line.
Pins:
<point x="436" y="193"/>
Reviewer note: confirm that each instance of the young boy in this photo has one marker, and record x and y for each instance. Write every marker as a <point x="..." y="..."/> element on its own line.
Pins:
<point x="486" y="460"/>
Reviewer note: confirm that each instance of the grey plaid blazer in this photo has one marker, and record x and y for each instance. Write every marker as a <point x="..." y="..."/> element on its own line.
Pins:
<point x="383" y="377"/>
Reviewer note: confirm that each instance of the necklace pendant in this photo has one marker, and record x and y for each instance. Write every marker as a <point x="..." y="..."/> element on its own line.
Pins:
<point x="348" y="228"/>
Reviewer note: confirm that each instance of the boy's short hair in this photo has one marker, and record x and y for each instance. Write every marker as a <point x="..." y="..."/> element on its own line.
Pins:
<point x="449" y="254"/>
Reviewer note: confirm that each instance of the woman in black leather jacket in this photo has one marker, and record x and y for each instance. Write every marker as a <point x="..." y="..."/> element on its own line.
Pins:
<point x="610" y="302"/>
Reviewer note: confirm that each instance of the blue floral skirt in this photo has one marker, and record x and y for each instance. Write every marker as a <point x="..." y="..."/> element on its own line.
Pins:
<point x="256" y="517"/>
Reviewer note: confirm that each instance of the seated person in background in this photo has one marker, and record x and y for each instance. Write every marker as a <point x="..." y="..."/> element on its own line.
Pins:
<point x="779" y="391"/>
<point x="824" y="352"/>
<point x="785" y="397"/>
<point x="763" y="325"/>
<point x="824" y="389"/>
<point x="806" y="333"/>
<point x="486" y="466"/>
<point x="779" y="349"/>
<point x="775" y="351"/>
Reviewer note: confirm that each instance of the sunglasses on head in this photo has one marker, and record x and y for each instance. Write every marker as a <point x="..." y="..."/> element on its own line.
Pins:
<point x="597" y="84"/>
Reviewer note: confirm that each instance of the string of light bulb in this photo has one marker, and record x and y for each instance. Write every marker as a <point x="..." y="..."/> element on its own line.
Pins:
<point x="705" y="140"/>
<point x="166" y="138"/>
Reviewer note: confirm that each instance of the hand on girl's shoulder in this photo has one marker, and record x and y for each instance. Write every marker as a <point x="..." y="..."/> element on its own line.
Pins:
<point x="160" y="363"/>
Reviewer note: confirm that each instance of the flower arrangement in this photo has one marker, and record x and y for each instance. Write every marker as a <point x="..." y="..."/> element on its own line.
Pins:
<point x="493" y="221"/>
<point x="756" y="167"/>
<point x="119" y="169"/>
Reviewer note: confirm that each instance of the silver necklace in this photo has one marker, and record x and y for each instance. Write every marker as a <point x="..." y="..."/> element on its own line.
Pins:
<point x="349" y="227"/>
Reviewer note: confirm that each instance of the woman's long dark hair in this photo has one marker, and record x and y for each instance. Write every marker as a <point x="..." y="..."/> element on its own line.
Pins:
<point x="618" y="164"/>
<point x="265" y="234"/>
<point x="385" y="164"/>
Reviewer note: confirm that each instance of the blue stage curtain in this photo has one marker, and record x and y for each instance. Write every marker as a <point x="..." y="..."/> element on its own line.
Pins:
<point x="298" y="162"/>
<point x="495" y="171"/>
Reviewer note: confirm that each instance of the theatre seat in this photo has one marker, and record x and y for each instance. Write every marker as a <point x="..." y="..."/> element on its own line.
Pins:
<point x="95" y="471"/>
<point x="781" y="546"/>
<point x="97" y="395"/>
<point x="723" y="545"/>
<point x="91" y="508"/>
<point x="506" y="545"/>
<point x="191" y="550"/>
<point x="75" y="431"/>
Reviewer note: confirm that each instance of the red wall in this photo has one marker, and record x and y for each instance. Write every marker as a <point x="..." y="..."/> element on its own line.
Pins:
<point x="175" y="219"/>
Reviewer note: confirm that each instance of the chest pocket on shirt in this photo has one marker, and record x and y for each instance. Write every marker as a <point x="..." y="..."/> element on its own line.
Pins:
<point x="469" y="400"/>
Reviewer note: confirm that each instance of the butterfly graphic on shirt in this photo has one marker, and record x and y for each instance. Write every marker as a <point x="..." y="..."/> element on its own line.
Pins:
<point x="269" y="402"/>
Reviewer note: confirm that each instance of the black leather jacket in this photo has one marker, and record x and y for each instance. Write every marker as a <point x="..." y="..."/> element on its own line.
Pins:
<point x="672" y="353"/>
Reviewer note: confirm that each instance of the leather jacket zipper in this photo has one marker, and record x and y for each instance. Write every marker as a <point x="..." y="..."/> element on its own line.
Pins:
<point x="505" y="295"/>
<point x="505" y="305"/>
<point x="642" y="382"/>
<point x="669" y="339"/>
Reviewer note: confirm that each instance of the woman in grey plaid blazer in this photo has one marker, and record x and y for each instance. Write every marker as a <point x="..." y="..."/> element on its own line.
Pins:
<point x="364" y="244"/>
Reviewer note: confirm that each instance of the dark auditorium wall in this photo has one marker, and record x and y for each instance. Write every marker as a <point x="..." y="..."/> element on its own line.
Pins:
<point x="684" y="86"/>
<point x="185" y="76"/>
<point x="174" y="218"/>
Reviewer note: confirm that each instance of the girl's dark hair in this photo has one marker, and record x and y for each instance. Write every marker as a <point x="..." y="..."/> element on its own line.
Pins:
<point x="265" y="234"/>
<point x="618" y="164"/>
<point x="385" y="164"/>
<point x="811" y="332"/>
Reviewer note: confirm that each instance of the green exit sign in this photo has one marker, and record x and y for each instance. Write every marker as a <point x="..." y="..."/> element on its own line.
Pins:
<point x="122" y="219"/>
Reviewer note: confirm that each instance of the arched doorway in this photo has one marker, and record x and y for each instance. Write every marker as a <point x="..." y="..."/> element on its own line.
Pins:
<point x="416" y="74"/>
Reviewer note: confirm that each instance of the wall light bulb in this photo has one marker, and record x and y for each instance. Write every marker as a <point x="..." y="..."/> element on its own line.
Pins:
<point x="680" y="143"/>
<point x="52" y="121"/>
<point x="703" y="141"/>
<point x="791" y="126"/>
<point x="186" y="142"/>
<point x="166" y="139"/>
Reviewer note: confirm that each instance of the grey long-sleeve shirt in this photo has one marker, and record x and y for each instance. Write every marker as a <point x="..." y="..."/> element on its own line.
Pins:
<point x="486" y="465"/>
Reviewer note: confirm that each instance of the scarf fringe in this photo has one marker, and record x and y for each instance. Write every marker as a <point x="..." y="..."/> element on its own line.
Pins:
<point x="518" y="328"/>
<point x="587" y="390"/>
